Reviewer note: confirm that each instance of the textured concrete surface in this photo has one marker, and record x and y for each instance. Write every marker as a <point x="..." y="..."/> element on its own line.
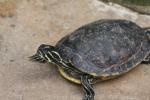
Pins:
<point x="25" y="24"/>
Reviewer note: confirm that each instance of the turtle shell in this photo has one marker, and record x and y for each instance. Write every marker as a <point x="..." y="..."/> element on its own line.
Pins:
<point x="105" y="47"/>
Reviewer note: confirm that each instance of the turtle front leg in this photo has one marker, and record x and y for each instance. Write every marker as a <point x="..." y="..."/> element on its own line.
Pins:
<point x="87" y="87"/>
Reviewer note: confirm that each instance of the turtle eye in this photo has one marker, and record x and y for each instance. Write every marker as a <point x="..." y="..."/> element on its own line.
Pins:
<point x="56" y="56"/>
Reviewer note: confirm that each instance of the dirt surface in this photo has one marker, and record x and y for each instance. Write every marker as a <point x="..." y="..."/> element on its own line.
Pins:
<point x="25" y="24"/>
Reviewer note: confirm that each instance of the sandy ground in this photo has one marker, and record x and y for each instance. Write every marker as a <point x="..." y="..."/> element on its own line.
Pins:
<point x="25" y="24"/>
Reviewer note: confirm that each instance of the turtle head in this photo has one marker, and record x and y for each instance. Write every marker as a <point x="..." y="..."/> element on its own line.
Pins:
<point x="46" y="53"/>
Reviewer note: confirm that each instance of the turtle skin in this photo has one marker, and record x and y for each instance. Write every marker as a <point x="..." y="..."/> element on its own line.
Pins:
<point x="105" y="47"/>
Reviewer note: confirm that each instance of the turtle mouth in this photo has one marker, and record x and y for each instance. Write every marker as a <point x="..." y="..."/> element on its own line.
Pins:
<point x="37" y="57"/>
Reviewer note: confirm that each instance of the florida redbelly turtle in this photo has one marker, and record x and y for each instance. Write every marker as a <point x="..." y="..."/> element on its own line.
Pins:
<point x="98" y="51"/>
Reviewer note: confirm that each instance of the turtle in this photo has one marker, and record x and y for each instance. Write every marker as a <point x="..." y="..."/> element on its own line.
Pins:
<point x="98" y="51"/>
